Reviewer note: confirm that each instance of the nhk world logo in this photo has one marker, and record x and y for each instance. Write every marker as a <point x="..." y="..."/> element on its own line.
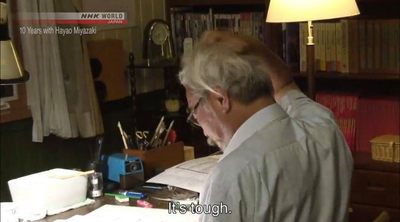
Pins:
<point x="72" y="18"/>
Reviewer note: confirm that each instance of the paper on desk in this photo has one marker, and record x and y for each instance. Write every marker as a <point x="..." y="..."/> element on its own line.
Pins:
<point x="76" y="218"/>
<point x="114" y="213"/>
<point x="190" y="175"/>
<point x="74" y="206"/>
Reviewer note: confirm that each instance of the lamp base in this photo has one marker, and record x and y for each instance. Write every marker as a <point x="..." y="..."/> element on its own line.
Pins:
<point x="4" y="105"/>
<point x="310" y="71"/>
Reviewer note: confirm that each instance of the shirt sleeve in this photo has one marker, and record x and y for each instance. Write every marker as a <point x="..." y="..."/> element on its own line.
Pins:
<point x="222" y="204"/>
<point x="234" y="197"/>
<point x="301" y="108"/>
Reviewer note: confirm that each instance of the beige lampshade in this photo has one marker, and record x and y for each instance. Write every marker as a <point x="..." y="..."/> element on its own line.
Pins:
<point x="11" y="70"/>
<point x="3" y="13"/>
<point x="10" y="64"/>
<point x="310" y="10"/>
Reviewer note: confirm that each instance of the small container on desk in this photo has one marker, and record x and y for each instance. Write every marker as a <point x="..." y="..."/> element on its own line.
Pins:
<point x="386" y="148"/>
<point x="158" y="159"/>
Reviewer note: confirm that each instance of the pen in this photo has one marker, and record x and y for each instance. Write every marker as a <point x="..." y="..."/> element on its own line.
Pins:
<point x="152" y="187"/>
<point x="156" y="186"/>
<point x="123" y="134"/>
<point x="132" y="194"/>
<point x="115" y="195"/>
<point x="164" y="142"/>
<point x="155" y="135"/>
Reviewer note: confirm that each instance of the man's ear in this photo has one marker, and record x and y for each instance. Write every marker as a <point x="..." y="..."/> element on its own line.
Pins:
<point x="221" y="99"/>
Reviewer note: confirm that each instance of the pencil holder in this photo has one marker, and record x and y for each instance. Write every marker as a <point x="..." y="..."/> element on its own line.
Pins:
<point x="158" y="159"/>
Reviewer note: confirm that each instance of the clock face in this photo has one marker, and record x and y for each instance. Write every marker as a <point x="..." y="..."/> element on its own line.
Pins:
<point x="159" y="33"/>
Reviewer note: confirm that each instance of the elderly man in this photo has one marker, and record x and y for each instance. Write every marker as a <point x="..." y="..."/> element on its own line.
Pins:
<point x="284" y="157"/>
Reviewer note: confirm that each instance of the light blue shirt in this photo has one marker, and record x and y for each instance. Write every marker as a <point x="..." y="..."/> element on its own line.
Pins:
<point x="288" y="162"/>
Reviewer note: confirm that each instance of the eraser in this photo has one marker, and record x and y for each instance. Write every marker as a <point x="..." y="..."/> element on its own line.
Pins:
<point x="143" y="203"/>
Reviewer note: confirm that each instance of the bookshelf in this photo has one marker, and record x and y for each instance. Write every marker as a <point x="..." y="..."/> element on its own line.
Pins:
<point x="210" y="3"/>
<point x="351" y="76"/>
<point x="216" y="7"/>
<point x="376" y="82"/>
<point x="272" y="33"/>
<point x="205" y="13"/>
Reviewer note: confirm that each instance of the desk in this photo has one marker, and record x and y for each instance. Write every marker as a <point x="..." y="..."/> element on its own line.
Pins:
<point x="132" y="202"/>
<point x="81" y="210"/>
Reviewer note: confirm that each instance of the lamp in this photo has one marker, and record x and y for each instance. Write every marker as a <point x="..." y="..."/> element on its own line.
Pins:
<point x="11" y="70"/>
<point x="280" y="11"/>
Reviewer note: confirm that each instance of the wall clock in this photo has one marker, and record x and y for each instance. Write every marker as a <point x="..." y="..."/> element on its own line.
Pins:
<point x="157" y="43"/>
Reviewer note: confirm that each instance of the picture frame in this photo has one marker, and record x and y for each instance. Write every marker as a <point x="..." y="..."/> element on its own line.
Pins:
<point x="8" y="93"/>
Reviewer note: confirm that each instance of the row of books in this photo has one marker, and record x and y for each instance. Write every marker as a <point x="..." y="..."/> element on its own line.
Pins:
<point x="189" y="25"/>
<point x="344" y="108"/>
<point x="376" y="116"/>
<point x="362" y="118"/>
<point x="345" y="46"/>
<point x="354" y="46"/>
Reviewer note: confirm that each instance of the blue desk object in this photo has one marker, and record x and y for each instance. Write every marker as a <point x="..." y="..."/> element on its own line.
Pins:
<point x="122" y="164"/>
<point x="132" y="194"/>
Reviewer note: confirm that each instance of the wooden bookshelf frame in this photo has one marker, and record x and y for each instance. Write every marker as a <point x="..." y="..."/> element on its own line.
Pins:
<point x="192" y="3"/>
<point x="351" y="76"/>
<point x="369" y="9"/>
<point x="274" y="39"/>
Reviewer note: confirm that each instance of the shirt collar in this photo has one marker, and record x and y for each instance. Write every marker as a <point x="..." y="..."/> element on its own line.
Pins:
<point x="256" y="122"/>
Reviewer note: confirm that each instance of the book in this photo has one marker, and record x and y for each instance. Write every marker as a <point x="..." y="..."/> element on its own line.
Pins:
<point x="339" y="46"/>
<point x="319" y="45"/>
<point x="303" y="43"/>
<point x="291" y="46"/>
<point x="330" y="47"/>
<point x="394" y="45"/>
<point x="350" y="46"/>
<point x="376" y="116"/>
<point x="362" y="44"/>
<point x="369" y="44"/>
<point x="377" y="44"/>
<point x="322" y="40"/>
<point x="344" y="107"/>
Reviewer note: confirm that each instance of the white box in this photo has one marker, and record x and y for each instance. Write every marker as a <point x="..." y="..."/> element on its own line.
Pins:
<point x="45" y="191"/>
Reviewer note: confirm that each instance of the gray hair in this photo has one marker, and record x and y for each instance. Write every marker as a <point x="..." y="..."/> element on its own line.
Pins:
<point x="243" y="76"/>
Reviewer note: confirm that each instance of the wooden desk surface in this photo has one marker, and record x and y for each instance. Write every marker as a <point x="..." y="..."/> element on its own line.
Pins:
<point x="152" y="194"/>
<point x="81" y="210"/>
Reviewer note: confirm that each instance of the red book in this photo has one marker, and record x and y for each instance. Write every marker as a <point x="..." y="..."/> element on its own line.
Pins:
<point x="344" y="108"/>
<point x="376" y="116"/>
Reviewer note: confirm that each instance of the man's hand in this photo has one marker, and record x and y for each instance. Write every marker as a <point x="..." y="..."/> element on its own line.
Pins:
<point x="277" y="71"/>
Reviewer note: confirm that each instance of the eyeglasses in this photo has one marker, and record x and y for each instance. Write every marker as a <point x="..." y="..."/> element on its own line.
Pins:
<point x="191" y="119"/>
